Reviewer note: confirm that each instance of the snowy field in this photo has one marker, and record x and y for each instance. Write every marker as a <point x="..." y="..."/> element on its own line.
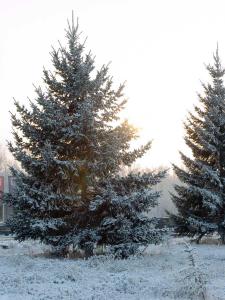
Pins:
<point x="162" y="273"/>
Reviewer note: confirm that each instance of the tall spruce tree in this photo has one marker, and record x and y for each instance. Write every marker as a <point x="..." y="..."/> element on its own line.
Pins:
<point x="71" y="145"/>
<point x="201" y="200"/>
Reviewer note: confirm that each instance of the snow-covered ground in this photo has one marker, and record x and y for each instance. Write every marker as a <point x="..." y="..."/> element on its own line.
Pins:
<point x="160" y="274"/>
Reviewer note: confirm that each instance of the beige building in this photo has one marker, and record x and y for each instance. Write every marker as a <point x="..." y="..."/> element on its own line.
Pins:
<point x="6" y="185"/>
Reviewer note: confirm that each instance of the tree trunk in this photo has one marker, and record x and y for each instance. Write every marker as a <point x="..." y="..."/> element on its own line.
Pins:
<point x="199" y="238"/>
<point x="221" y="232"/>
<point x="89" y="251"/>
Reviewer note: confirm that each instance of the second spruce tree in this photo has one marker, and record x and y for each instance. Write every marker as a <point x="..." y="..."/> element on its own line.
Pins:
<point x="200" y="200"/>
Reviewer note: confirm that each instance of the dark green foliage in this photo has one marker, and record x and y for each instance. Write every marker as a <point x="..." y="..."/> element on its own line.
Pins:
<point x="71" y="145"/>
<point x="201" y="199"/>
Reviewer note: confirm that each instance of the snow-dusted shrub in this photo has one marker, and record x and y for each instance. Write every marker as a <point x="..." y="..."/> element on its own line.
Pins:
<point x="191" y="278"/>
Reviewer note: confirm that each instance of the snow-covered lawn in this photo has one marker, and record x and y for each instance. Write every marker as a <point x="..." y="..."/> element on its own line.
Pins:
<point x="160" y="274"/>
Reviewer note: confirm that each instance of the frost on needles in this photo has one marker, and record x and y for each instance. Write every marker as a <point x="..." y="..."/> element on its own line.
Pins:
<point x="72" y="145"/>
<point x="201" y="199"/>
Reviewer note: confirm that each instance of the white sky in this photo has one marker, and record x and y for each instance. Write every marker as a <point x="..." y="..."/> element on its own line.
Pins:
<point x="159" y="47"/>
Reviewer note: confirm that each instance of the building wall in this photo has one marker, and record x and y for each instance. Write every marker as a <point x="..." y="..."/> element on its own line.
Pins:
<point x="166" y="186"/>
<point x="5" y="210"/>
